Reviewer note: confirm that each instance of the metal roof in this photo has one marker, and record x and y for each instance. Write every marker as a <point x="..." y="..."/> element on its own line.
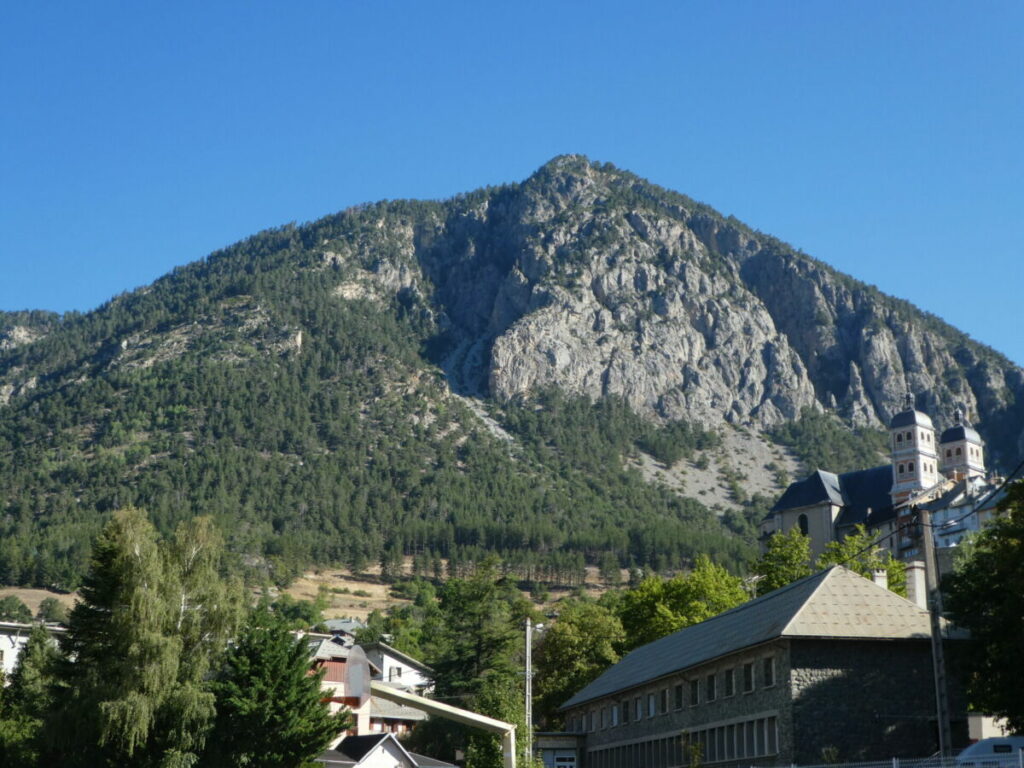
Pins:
<point x="863" y="494"/>
<point x="836" y="603"/>
<point x="910" y="418"/>
<point x="960" y="432"/>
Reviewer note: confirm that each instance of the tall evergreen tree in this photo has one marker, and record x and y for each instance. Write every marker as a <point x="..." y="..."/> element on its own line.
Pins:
<point x="25" y="701"/>
<point x="270" y="712"/>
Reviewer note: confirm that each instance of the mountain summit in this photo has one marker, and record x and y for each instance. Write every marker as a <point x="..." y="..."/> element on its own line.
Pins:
<point x="368" y="385"/>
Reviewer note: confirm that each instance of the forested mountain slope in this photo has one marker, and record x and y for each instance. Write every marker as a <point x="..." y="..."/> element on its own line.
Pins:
<point x="304" y="386"/>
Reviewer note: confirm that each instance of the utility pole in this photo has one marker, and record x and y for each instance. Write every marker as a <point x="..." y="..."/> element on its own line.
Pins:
<point x="529" y="691"/>
<point x="931" y="575"/>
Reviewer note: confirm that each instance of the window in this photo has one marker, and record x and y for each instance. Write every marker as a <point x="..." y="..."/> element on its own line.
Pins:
<point x="901" y="469"/>
<point x="910" y="436"/>
<point x="650" y="705"/>
<point x="802" y="522"/>
<point x="694" y="693"/>
<point x="615" y="715"/>
<point x="709" y="688"/>
<point x="638" y="709"/>
<point x="625" y="711"/>
<point x="730" y="682"/>
<point x="663" y="703"/>
<point x="949" y="452"/>
<point x="604" y="717"/>
<point x="959" y="452"/>
<point x="769" y="671"/>
<point x="593" y="721"/>
<point x="748" y="677"/>
<point x="899" y="437"/>
<point x="678" y="696"/>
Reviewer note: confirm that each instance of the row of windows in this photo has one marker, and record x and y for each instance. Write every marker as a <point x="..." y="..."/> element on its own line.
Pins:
<point x="926" y="437"/>
<point x="754" y="738"/>
<point x="909" y="467"/>
<point x="700" y="690"/>
<point x="736" y="741"/>
<point x="971" y="451"/>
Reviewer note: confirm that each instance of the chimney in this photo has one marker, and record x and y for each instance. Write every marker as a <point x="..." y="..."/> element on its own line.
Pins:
<point x="917" y="591"/>
<point x="880" y="577"/>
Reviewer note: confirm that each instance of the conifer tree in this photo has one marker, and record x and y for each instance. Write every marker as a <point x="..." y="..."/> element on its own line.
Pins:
<point x="270" y="712"/>
<point x="25" y="701"/>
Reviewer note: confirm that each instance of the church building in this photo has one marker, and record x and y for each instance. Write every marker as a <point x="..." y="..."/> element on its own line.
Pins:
<point x="946" y="472"/>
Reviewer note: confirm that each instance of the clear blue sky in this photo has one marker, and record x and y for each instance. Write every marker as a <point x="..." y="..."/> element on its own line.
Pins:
<point x="884" y="138"/>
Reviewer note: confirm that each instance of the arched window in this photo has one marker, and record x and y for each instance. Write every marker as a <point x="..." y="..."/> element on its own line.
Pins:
<point x="802" y="522"/>
<point x="910" y="436"/>
<point x="959" y="452"/>
<point x="901" y="469"/>
<point x="910" y="466"/>
<point x="899" y="437"/>
<point x="949" y="452"/>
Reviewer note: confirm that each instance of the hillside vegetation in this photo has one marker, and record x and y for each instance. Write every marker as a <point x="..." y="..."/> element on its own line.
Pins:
<point x="446" y="379"/>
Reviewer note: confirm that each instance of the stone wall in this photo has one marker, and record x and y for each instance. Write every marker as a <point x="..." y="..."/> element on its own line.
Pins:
<point x="866" y="700"/>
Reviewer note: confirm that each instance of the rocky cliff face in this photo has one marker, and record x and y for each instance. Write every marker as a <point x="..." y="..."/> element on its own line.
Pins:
<point x="590" y="279"/>
<point x="587" y="278"/>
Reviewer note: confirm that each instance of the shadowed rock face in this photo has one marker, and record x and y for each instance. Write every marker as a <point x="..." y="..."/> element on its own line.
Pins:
<point x="592" y="280"/>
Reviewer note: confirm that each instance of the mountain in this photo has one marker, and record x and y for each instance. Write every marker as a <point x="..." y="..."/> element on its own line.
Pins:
<point x="495" y="372"/>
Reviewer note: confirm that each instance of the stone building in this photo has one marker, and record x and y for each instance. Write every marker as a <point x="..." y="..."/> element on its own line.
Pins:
<point x="944" y="471"/>
<point x="832" y="662"/>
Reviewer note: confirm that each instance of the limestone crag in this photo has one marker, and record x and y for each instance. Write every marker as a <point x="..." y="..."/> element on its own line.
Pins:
<point x="590" y="279"/>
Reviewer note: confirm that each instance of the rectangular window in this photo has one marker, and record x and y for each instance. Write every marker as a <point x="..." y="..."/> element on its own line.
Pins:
<point x="625" y="712"/>
<point x="730" y="682"/>
<point x="593" y="721"/>
<point x="678" y="696"/>
<point x="663" y="702"/>
<point x="604" y="717"/>
<point x="651" y="705"/>
<point x="694" y="693"/>
<point x="759" y="736"/>
<point x="638" y="709"/>
<point x="615" y="715"/>
<point x="769" y="671"/>
<point x="709" y="688"/>
<point x="748" y="677"/>
<point x="773" y="735"/>
<point x="730" y="742"/>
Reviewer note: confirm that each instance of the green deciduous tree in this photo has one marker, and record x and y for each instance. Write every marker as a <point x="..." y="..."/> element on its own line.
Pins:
<point x="860" y="553"/>
<point x="13" y="609"/>
<point x="52" y="609"/>
<point x="573" y="651"/>
<point x="270" y="712"/>
<point x="986" y="595"/>
<point x="788" y="558"/>
<point x="131" y="688"/>
<point x="658" y="607"/>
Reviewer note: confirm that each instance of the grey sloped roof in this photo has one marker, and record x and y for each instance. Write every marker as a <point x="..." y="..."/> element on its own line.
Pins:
<point x="863" y="494"/>
<point x="910" y="418"/>
<point x="326" y="649"/>
<point x="866" y="496"/>
<point x="960" y="432"/>
<point x="818" y="487"/>
<point x="836" y="603"/>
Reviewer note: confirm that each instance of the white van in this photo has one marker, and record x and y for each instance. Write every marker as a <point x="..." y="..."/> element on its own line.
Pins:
<point x="996" y="752"/>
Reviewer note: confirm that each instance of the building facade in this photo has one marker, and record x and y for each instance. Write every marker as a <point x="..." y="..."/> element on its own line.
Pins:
<point x="833" y="664"/>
